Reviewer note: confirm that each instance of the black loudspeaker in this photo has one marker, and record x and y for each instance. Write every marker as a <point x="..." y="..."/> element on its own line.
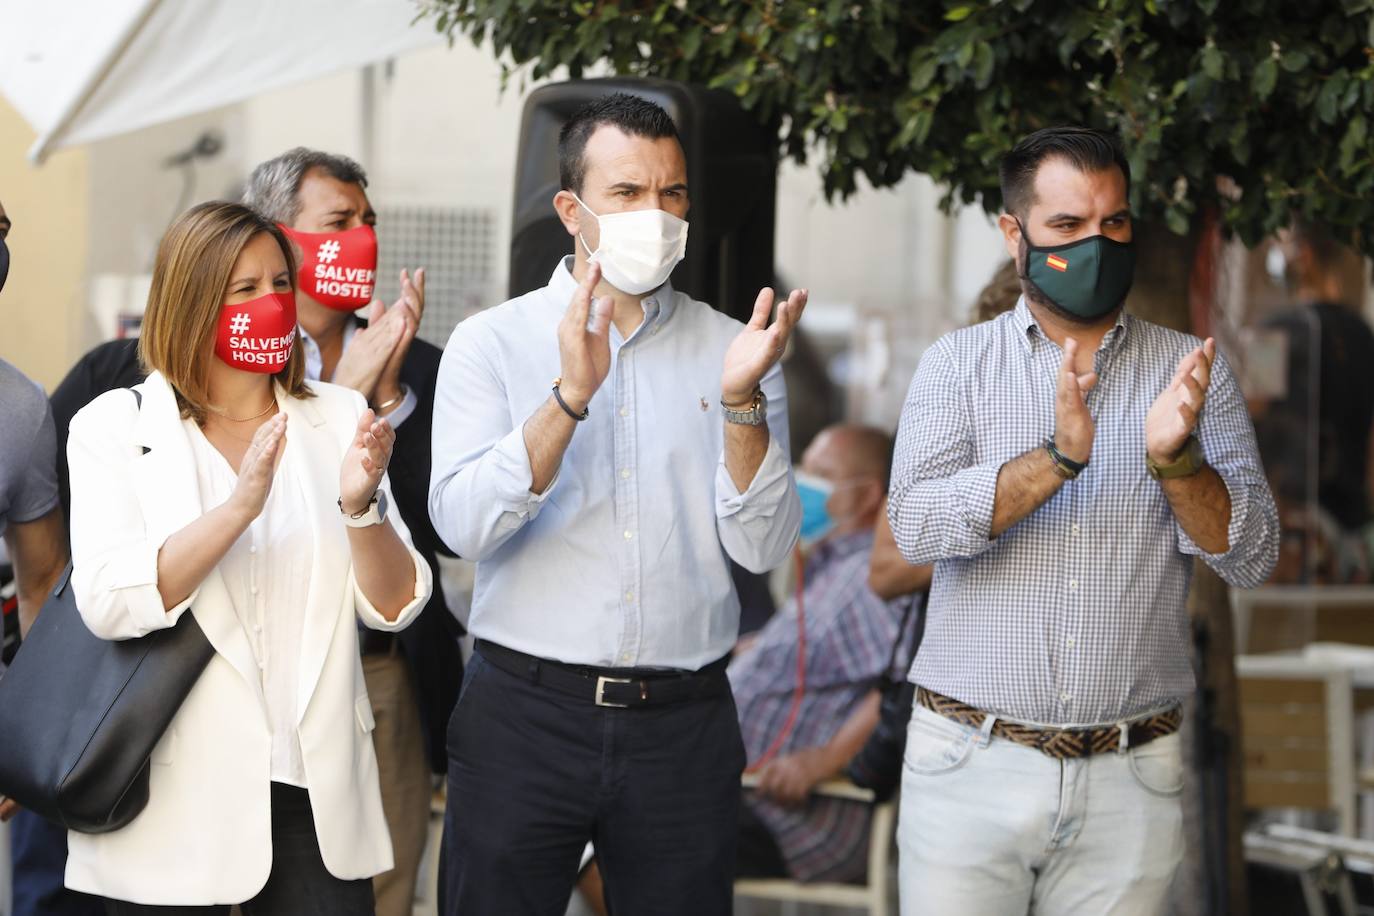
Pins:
<point x="731" y="177"/>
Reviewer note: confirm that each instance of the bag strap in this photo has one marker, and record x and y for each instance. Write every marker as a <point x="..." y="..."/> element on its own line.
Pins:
<point x="915" y="607"/>
<point x="138" y="399"/>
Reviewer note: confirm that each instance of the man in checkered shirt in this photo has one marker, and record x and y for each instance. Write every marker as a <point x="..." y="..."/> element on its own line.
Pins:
<point x="1063" y="465"/>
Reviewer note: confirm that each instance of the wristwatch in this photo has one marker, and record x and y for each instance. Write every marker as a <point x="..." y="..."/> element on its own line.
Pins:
<point x="1188" y="462"/>
<point x="755" y="415"/>
<point x="374" y="514"/>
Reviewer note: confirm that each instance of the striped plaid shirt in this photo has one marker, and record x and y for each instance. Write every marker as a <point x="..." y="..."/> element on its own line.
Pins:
<point x="850" y="633"/>
<point x="1075" y="615"/>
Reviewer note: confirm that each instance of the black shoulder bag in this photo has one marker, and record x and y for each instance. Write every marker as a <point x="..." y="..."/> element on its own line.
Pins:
<point x="80" y="715"/>
<point x="878" y="765"/>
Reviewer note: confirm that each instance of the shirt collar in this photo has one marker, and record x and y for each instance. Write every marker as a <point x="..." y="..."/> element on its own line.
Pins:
<point x="1026" y="324"/>
<point x="314" y="362"/>
<point x="657" y="304"/>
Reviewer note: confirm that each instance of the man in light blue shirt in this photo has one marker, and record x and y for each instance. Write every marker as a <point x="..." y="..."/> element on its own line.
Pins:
<point x="602" y="516"/>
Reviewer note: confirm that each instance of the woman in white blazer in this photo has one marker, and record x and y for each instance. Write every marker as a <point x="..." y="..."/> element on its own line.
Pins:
<point x="239" y="494"/>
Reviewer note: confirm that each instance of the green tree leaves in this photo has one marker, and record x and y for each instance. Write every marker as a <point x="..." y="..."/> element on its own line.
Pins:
<point x="1259" y="107"/>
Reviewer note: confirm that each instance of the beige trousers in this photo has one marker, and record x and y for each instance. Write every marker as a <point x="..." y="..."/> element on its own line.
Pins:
<point x="404" y="773"/>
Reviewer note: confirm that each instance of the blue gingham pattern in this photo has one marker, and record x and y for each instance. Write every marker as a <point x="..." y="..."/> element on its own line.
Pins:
<point x="1076" y="615"/>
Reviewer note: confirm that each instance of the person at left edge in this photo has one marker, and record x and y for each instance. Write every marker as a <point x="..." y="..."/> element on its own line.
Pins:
<point x="258" y="502"/>
<point x="320" y="200"/>
<point x="31" y="523"/>
<point x="602" y="515"/>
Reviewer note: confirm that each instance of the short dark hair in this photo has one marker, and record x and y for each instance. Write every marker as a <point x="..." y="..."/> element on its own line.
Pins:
<point x="275" y="185"/>
<point x="633" y="114"/>
<point x="1085" y="149"/>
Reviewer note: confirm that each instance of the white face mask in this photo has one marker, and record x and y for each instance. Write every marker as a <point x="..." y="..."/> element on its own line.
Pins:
<point x="638" y="249"/>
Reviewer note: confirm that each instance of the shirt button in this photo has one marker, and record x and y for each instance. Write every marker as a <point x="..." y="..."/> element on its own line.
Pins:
<point x="1073" y="583"/>
<point x="253" y="589"/>
<point x="629" y="596"/>
<point x="624" y="473"/>
<point x="625" y="657"/>
<point x="1070" y="642"/>
<point x="629" y="534"/>
<point x="1064" y="697"/>
<point x="253" y="548"/>
<point x="1074" y="529"/>
<point x="624" y="412"/>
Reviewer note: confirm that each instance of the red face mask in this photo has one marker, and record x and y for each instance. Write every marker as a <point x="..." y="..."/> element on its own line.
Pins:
<point x="257" y="336"/>
<point x="338" y="269"/>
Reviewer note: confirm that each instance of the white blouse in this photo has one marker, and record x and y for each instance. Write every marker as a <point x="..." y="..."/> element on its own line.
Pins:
<point x="267" y="572"/>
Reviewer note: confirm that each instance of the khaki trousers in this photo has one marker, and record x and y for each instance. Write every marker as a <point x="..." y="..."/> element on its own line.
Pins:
<point x="403" y="770"/>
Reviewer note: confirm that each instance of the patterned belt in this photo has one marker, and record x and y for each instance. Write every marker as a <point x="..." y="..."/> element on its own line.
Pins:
<point x="1060" y="743"/>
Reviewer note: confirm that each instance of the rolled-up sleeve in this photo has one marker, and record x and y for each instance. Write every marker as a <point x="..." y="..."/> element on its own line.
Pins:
<point x="114" y="559"/>
<point x="940" y="503"/>
<point x="758" y="527"/>
<point x="1228" y="444"/>
<point x="424" y="581"/>
<point x="479" y="489"/>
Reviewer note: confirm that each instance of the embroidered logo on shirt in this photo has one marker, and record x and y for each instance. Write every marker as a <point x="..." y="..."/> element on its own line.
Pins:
<point x="1057" y="263"/>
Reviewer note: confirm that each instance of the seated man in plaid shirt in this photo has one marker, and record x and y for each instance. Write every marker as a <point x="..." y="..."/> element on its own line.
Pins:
<point x="851" y="633"/>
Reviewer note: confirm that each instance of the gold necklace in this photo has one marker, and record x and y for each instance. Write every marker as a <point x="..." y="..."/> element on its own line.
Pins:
<point x="272" y="402"/>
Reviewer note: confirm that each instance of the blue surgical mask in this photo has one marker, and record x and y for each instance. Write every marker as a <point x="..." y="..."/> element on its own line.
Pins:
<point x="816" y="522"/>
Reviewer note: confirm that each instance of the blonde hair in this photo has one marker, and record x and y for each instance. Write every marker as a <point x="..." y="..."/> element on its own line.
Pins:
<point x="194" y="263"/>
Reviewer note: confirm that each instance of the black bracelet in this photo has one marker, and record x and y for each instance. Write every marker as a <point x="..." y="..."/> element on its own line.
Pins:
<point x="579" y="417"/>
<point x="1058" y="458"/>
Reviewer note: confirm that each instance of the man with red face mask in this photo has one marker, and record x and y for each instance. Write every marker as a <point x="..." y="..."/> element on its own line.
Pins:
<point x="320" y="201"/>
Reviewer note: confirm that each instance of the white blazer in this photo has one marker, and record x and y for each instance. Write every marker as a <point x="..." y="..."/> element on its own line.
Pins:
<point x="205" y="836"/>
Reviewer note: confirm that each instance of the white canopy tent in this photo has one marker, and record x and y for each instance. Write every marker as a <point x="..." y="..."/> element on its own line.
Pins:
<point x="82" y="70"/>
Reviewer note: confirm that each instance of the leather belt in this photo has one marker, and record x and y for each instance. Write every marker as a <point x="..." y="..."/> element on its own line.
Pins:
<point x="1061" y="743"/>
<point x="619" y="688"/>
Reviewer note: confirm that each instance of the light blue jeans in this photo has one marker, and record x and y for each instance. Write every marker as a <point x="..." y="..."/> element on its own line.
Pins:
<point x="993" y="828"/>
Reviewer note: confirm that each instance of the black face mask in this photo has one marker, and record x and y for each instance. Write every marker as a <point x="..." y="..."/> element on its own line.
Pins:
<point x="4" y="262"/>
<point x="1087" y="279"/>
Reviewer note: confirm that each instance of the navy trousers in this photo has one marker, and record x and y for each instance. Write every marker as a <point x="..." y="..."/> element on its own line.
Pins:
<point x="535" y="774"/>
<point x="39" y="856"/>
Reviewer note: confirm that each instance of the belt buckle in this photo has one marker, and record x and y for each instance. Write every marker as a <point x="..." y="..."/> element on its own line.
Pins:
<point x="601" y="683"/>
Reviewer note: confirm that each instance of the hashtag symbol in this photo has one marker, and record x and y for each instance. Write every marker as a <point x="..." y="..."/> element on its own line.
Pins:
<point x="239" y="323"/>
<point x="328" y="251"/>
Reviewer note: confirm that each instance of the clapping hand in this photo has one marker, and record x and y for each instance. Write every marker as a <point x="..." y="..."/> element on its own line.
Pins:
<point x="258" y="466"/>
<point x="407" y="310"/>
<point x="1173" y="416"/>
<point x="584" y="351"/>
<point x="365" y="462"/>
<point x="367" y="354"/>
<point x="1073" y="423"/>
<point x="756" y="348"/>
